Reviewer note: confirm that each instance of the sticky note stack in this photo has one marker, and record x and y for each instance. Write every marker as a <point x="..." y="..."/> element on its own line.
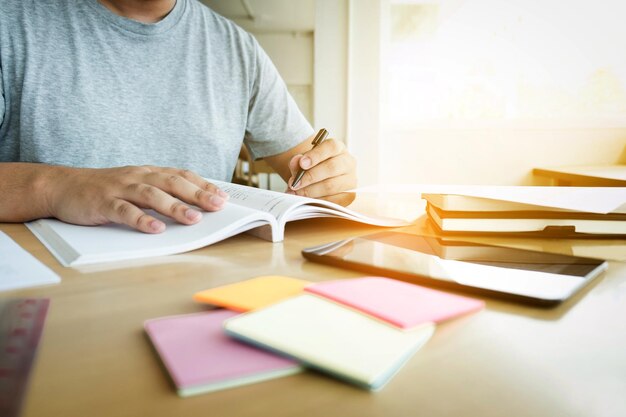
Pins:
<point x="359" y="330"/>
<point x="201" y="358"/>
<point x="331" y="338"/>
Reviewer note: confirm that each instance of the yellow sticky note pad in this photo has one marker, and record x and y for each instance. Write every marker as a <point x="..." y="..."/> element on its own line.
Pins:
<point x="253" y="293"/>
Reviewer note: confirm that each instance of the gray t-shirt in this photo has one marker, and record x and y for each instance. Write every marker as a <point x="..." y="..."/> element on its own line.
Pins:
<point x="82" y="86"/>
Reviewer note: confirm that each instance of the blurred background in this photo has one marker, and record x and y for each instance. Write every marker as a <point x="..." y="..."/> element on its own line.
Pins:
<point x="451" y="91"/>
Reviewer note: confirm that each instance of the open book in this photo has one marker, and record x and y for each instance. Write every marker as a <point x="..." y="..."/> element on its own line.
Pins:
<point x="248" y="208"/>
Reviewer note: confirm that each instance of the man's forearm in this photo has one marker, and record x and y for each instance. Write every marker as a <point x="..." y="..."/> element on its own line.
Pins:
<point x="22" y="191"/>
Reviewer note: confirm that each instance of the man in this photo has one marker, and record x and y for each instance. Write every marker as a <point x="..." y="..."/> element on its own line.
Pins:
<point x="90" y="85"/>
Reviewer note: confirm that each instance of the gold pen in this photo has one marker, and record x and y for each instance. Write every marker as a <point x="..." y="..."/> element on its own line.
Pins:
<point x="319" y="138"/>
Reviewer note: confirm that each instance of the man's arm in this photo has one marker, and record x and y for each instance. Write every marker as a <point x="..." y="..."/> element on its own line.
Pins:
<point x="330" y="169"/>
<point x="97" y="196"/>
<point x="21" y="192"/>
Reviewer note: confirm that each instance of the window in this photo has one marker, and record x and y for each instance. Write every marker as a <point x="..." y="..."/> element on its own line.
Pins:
<point x="557" y="63"/>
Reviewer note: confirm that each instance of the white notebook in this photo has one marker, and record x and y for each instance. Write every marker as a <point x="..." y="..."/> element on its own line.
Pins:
<point x="481" y="222"/>
<point x="20" y="269"/>
<point x="331" y="338"/>
<point x="248" y="208"/>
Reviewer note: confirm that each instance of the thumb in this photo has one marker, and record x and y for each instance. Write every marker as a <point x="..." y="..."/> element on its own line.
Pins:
<point x="294" y="166"/>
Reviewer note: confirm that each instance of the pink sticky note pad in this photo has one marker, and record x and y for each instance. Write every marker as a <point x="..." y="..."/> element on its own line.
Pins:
<point x="402" y="304"/>
<point x="201" y="358"/>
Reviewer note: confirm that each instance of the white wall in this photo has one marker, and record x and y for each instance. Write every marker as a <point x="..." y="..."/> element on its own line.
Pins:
<point x="493" y="156"/>
<point x="331" y="66"/>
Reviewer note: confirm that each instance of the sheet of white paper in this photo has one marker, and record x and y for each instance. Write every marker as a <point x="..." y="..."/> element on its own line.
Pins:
<point x="20" y="269"/>
<point x="600" y="200"/>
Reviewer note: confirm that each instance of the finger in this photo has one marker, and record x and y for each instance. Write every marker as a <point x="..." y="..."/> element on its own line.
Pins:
<point x="152" y="197"/>
<point x="294" y="168"/>
<point x="328" y="187"/>
<point x="322" y="152"/>
<point x="198" y="181"/>
<point x="207" y="198"/>
<point x="294" y="164"/>
<point x="123" y="212"/>
<point x="339" y="165"/>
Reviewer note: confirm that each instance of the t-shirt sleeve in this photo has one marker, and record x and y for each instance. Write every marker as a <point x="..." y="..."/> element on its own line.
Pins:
<point x="275" y="124"/>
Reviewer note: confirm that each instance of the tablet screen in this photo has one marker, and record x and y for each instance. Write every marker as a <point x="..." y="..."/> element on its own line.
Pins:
<point x="530" y="275"/>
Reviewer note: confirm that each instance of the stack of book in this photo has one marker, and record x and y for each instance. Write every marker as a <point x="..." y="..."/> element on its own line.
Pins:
<point x="564" y="212"/>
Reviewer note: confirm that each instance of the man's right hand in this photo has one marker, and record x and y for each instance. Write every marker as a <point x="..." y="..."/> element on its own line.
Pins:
<point x="120" y="195"/>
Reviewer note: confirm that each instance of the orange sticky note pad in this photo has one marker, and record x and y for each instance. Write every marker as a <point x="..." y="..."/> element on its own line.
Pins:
<point x="253" y="293"/>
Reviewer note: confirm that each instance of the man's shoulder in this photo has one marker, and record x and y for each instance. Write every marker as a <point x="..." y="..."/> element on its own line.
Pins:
<point x="220" y="25"/>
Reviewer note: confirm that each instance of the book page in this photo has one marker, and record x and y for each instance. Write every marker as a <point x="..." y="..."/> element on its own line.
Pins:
<point x="82" y="245"/>
<point x="275" y="203"/>
<point x="287" y="207"/>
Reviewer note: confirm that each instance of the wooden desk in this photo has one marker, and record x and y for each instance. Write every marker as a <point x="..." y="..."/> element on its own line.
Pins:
<point x="585" y="176"/>
<point x="509" y="360"/>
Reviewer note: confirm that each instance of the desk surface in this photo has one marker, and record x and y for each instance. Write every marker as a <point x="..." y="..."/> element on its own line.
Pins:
<point x="585" y="176"/>
<point x="510" y="359"/>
